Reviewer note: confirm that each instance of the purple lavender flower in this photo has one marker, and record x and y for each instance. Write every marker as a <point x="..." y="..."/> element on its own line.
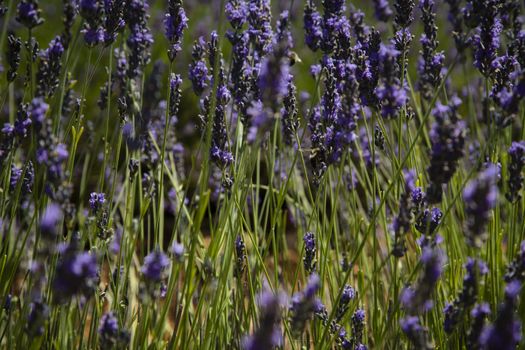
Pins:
<point x="198" y="71"/>
<point x="49" y="221"/>
<point x="175" y="21"/>
<point x="303" y="305"/>
<point x="91" y="11"/>
<point x="358" y="325"/>
<point x="486" y="41"/>
<point x="289" y="113"/>
<point x="429" y="220"/>
<point x="155" y="265"/>
<point x="28" y="13"/>
<point x="23" y="122"/>
<point x="505" y="332"/>
<point x="391" y="95"/>
<point x="114" y="21"/>
<point x="177" y="250"/>
<point x="38" y="110"/>
<point x="14" y="44"/>
<point x="479" y="313"/>
<point x="259" y="27"/>
<point x="404" y="16"/>
<point x="430" y="62"/>
<point x="53" y="157"/>
<point x="219" y="152"/>
<point x="448" y="139"/>
<point x="140" y="38"/>
<point x="347" y="296"/>
<point x="312" y="26"/>
<point x="108" y="329"/>
<point x="415" y="332"/>
<point x="455" y="17"/>
<point x="240" y="253"/>
<point x="516" y="268"/>
<point x="76" y="273"/>
<point x="402" y="222"/>
<point x="49" y="68"/>
<point x="480" y="197"/>
<point x="236" y="13"/>
<point x="309" y="260"/>
<point x="515" y="165"/>
<point x="96" y="201"/>
<point x="267" y="335"/>
<point x="38" y="315"/>
<point x="383" y="12"/>
<point x="418" y="299"/>
<point x="468" y="295"/>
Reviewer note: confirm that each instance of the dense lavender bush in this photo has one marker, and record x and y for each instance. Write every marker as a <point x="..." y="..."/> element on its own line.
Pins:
<point x="257" y="174"/>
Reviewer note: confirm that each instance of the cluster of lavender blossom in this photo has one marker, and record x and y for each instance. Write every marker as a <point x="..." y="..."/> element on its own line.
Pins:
<point x="147" y="203"/>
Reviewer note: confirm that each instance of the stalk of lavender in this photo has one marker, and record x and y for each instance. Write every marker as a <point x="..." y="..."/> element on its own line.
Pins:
<point x="486" y="41"/>
<point x="480" y="197"/>
<point x="505" y="332"/>
<point x="14" y="44"/>
<point x="383" y="12"/>
<point x="289" y="113"/>
<point x="198" y="71"/>
<point x="140" y="38"/>
<point x="402" y="222"/>
<point x="70" y="11"/>
<point x="175" y="21"/>
<point x="49" y="69"/>
<point x="478" y="314"/>
<point x="113" y="20"/>
<point x="448" y="138"/>
<point x="516" y="268"/>
<point x="515" y="166"/>
<point x="456" y="311"/>
<point x="28" y="14"/>
<point x="312" y="22"/>
<point x="431" y="62"/>
<point x="267" y="335"/>
<point x="391" y="94"/>
<point x="309" y="260"/>
<point x="455" y="17"/>
<point x="91" y="11"/>
<point x="402" y="20"/>
<point x="303" y="305"/>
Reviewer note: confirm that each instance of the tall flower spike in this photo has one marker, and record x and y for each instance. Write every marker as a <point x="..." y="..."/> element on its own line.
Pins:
<point x="114" y="20"/>
<point x="447" y="137"/>
<point x="486" y="41"/>
<point x="309" y="260"/>
<point x="312" y="22"/>
<point x="76" y="273"/>
<point x="391" y="95"/>
<point x="70" y="11"/>
<point x="267" y="335"/>
<point x="505" y="332"/>
<point x="28" y="13"/>
<point x="404" y="16"/>
<point x="480" y="197"/>
<point x="479" y="313"/>
<point x="383" y="12"/>
<point x="198" y="71"/>
<point x="303" y="305"/>
<point x="467" y="297"/>
<point x="402" y="222"/>
<point x="289" y="113"/>
<point x="515" y="166"/>
<point x="430" y="62"/>
<point x="14" y="45"/>
<point x="175" y="21"/>
<point x="236" y="13"/>
<point x="91" y="11"/>
<point x="516" y="268"/>
<point x="49" y="68"/>
<point x="416" y="333"/>
<point x="417" y="299"/>
<point x="347" y="296"/>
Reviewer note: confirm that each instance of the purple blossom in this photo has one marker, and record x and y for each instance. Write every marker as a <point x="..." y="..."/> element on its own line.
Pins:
<point x="516" y="163"/>
<point x="236" y="13"/>
<point x="76" y="273"/>
<point x="155" y="265"/>
<point x="267" y="335"/>
<point x="480" y="197"/>
<point x="28" y="13"/>
<point x="96" y="201"/>
<point x="49" y="221"/>
<point x="505" y="332"/>
<point x="303" y="305"/>
<point x="175" y="21"/>
<point x="309" y="260"/>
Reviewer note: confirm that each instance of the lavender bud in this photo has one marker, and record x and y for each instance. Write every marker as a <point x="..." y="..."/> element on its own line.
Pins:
<point x="479" y="313"/>
<point x="383" y="12"/>
<point x="416" y="333"/>
<point x="309" y="260"/>
<point x="505" y="332"/>
<point x="404" y="16"/>
<point x="267" y="335"/>
<point x="240" y="253"/>
<point x="14" y="44"/>
<point x="480" y="197"/>
<point x="175" y="21"/>
<point x="37" y="318"/>
<point x="303" y="305"/>
<point x="516" y="268"/>
<point x="516" y="163"/>
<point x="28" y="13"/>
<point x="344" y="303"/>
<point x="448" y="139"/>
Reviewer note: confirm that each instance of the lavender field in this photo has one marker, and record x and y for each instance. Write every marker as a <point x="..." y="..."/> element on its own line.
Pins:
<point x="257" y="174"/>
